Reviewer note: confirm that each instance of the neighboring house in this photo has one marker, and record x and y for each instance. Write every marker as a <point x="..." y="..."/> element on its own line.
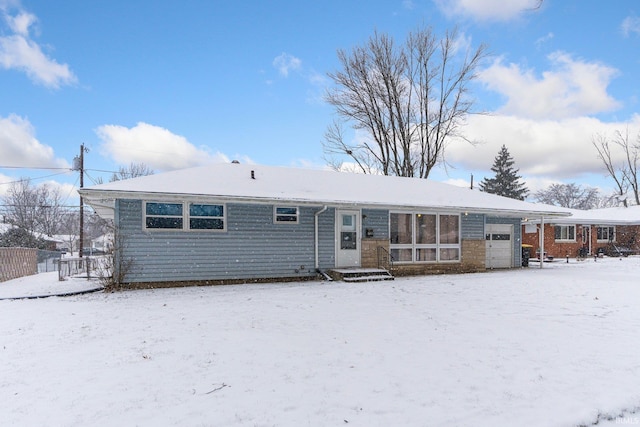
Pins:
<point x="67" y="242"/>
<point x="590" y="230"/>
<point x="234" y="223"/>
<point x="103" y="243"/>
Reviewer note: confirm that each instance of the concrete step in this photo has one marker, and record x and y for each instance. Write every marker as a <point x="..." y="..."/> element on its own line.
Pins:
<point x="360" y="274"/>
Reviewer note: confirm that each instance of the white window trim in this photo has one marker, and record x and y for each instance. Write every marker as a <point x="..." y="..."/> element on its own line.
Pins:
<point x="565" y="240"/>
<point x="437" y="246"/>
<point x="606" y="240"/>
<point x="276" y="215"/>
<point x="185" y="217"/>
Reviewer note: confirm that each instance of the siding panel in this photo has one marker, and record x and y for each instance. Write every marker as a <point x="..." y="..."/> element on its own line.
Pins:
<point x="252" y="247"/>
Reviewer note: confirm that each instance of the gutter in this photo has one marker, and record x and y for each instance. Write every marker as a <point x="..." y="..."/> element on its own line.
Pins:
<point x="316" y="215"/>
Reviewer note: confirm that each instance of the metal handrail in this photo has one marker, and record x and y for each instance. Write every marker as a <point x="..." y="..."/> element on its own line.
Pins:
<point x="385" y="259"/>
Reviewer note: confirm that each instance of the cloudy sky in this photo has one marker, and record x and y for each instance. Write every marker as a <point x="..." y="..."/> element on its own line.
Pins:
<point x="179" y="84"/>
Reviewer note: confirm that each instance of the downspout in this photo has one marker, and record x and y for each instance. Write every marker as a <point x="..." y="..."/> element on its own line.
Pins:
<point x="541" y="241"/>
<point x="317" y="214"/>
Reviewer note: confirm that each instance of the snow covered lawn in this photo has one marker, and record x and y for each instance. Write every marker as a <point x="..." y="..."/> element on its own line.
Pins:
<point x="552" y="347"/>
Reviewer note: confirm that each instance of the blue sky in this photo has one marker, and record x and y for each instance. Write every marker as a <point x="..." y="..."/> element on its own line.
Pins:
<point x="179" y="84"/>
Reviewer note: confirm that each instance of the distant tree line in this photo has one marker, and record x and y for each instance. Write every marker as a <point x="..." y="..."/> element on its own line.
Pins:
<point x="37" y="212"/>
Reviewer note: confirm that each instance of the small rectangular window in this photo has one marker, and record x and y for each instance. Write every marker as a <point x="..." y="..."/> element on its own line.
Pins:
<point x="286" y="214"/>
<point x="164" y="216"/>
<point x="206" y="217"/>
<point x="566" y="233"/>
<point x="606" y="234"/>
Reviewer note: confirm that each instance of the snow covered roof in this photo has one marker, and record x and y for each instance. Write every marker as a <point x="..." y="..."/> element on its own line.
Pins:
<point x="606" y="216"/>
<point x="268" y="184"/>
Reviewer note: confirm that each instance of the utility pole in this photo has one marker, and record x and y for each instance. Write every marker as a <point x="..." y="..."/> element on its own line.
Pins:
<point x="78" y="165"/>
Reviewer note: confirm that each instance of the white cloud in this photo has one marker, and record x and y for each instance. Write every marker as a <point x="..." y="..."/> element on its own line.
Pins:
<point x="487" y="10"/>
<point x="630" y="24"/>
<point x="5" y="181"/>
<point x="154" y="146"/>
<point x="572" y="88"/>
<point x="544" y="39"/>
<point x="285" y="63"/>
<point x="18" y="51"/>
<point x="542" y="149"/>
<point x="19" y="146"/>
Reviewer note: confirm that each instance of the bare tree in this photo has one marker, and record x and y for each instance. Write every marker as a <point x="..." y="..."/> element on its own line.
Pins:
<point x="132" y="171"/>
<point x="409" y="100"/>
<point x="35" y="209"/>
<point x="620" y="157"/>
<point x="570" y="195"/>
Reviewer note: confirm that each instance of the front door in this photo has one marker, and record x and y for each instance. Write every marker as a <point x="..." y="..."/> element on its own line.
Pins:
<point x="348" y="238"/>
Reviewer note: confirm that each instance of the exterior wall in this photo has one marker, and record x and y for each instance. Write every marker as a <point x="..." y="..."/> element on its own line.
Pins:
<point x="17" y="262"/>
<point x="627" y="236"/>
<point x="553" y="248"/>
<point x="252" y="247"/>
<point x="370" y="252"/>
<point x="375" y="233"/>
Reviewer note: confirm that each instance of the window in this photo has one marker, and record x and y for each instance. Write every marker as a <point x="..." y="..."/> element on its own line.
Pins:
<point x="606" y="234"/>
<point x="172" y="216"/>
<point x="206" y="217"/>
<point x="286" y="215"/>
<point x="423" y="237"/>
<point x="565" y="233"/>
<point x="163" y="215"/>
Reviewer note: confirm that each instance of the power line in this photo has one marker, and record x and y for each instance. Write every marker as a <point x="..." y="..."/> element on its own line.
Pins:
<point x="33" y="167"/>
<point x="31" y="179"/>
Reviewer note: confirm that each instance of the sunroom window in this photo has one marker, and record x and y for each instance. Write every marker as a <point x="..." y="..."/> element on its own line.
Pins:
<point x="424" y="237"/>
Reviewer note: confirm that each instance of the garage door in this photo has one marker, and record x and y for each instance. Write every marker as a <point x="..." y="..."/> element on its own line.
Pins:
<point x="499" y="244"/>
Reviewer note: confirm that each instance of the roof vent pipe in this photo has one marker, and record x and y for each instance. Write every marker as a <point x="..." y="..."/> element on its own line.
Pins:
<point x="253" y="174"/>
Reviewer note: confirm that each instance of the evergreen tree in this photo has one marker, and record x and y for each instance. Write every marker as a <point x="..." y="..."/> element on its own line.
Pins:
<point x="506" y="181"/>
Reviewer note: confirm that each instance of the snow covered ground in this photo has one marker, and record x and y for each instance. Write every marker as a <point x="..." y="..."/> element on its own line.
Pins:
<point x="553" y="347"/>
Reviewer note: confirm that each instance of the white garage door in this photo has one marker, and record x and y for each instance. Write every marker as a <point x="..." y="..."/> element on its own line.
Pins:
<point x="499" y="243"/>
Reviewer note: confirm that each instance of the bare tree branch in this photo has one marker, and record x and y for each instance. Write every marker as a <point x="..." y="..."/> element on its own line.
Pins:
<point x="409" y="100"/>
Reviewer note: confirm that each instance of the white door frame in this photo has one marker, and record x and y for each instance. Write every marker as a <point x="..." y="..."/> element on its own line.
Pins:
<point x="348" y="238"/>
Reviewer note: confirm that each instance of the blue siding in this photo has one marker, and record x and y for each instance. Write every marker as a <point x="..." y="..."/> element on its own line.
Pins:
<point x="472" y="226"/>
<point x="252" y="247"/>
<point x="376" y="220"/>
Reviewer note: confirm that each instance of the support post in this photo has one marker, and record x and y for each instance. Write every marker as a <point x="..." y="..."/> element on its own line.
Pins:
<point x="541" y="241"/>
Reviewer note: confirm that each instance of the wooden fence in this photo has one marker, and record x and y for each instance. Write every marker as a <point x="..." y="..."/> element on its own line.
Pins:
<point x="17" y="262"/>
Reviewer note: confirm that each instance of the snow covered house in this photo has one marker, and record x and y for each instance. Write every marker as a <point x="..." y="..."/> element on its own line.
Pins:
<point x="594" y="231"/>
<point x="237" y="222"/>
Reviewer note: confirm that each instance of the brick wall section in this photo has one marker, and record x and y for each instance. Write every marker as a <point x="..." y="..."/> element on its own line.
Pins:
<point x="17" y="262"/>
<point x="369" y="252"/>
<point x="473" y="259"/>
<point x="627" y="236"/>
